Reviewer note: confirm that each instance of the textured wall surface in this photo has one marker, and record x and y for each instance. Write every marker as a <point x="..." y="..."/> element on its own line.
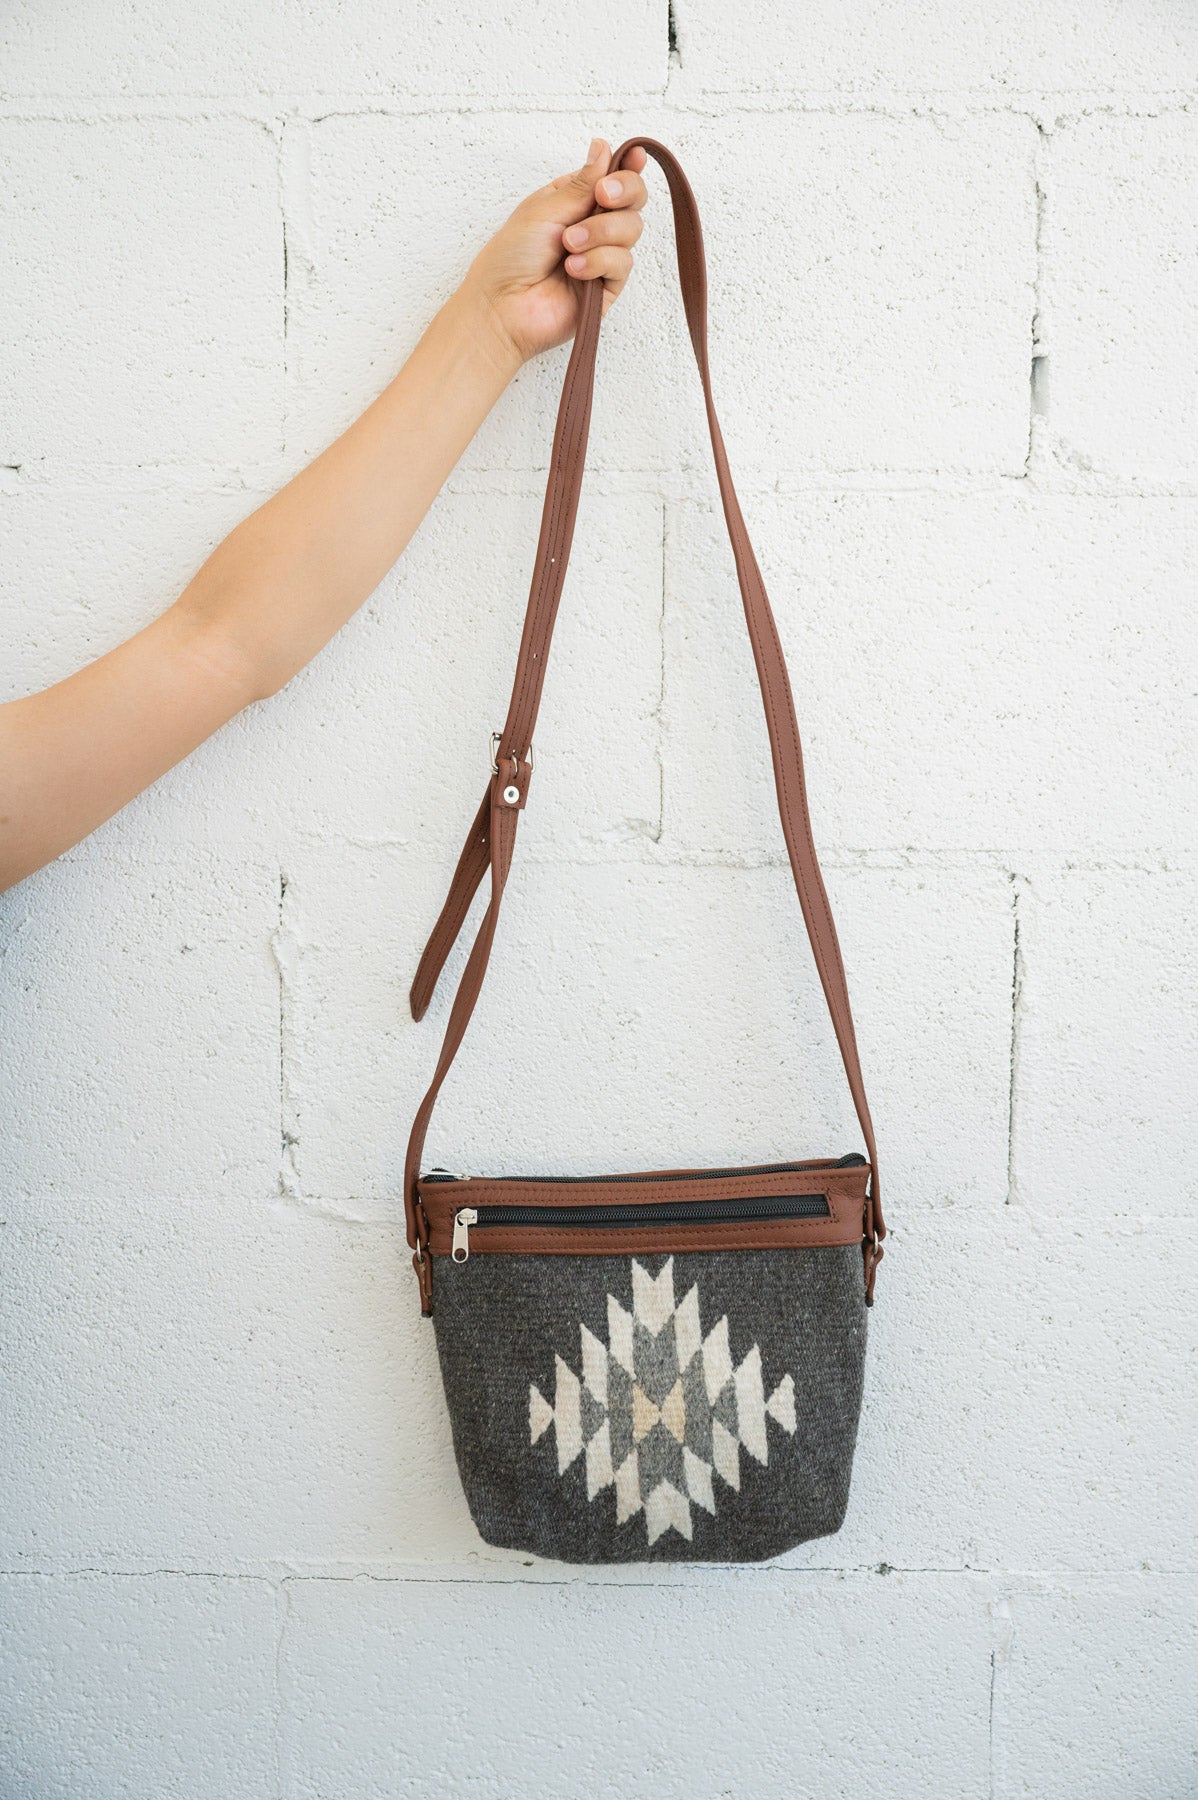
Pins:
<point x="955" y="298"/>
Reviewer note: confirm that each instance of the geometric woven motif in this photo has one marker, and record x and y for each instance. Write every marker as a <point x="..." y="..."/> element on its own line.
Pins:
<point x="660" y="1409"/>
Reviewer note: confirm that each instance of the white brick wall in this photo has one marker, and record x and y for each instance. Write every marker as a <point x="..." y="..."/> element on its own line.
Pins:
<point x="954" y="338"/>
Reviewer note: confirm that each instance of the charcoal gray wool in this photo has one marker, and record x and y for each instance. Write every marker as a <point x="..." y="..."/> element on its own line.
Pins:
<point x="694" y="1408"/>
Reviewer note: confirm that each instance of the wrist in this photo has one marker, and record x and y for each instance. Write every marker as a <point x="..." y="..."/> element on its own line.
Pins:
<point x="476" y="317"/>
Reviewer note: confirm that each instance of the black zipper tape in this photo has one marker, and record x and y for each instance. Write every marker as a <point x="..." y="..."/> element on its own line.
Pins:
<point x="665" y="1212"/>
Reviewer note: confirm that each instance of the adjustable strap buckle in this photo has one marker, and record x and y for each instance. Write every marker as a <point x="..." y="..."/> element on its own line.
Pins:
<point x="496" y="740"/>
<point x="515" y="793"/>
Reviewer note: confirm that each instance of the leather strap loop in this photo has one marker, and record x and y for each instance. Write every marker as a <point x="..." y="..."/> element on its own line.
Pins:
<point x="492" y="835"/>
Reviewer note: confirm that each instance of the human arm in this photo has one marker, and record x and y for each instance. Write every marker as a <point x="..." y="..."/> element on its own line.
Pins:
<point x="288" y="577"/>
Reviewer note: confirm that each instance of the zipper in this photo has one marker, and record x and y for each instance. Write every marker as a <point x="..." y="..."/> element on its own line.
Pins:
<point x="678" y="1212"/>
<point x="853" y="1161"/>
<point x="463" y="1219"/>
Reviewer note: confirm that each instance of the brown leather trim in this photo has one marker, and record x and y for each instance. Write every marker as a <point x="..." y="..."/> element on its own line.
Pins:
<point x="839" y="1185"/>
<point x="844" y="1190"/>
<point x="771" y="1234"/>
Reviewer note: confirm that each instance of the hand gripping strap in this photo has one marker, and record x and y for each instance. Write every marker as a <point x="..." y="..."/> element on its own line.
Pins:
<point x="492" y="835"/>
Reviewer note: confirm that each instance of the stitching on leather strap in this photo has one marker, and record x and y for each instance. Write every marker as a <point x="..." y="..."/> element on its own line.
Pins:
<point x="558" y="518"/>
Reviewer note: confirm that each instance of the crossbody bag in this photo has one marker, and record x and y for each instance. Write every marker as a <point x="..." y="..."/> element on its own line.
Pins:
<point x="662" y="1365"/>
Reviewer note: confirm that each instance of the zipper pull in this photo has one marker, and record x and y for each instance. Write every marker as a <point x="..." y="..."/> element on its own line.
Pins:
<point x="463" y="1219"/>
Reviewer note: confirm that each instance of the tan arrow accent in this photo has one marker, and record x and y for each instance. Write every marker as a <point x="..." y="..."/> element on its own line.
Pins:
<point x="644" y="1414"/>
<point x="673" y="1413"/>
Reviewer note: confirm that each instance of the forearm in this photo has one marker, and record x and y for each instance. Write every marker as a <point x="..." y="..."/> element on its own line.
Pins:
<point x="290" y="576"/>
<point x="268" y="598"/>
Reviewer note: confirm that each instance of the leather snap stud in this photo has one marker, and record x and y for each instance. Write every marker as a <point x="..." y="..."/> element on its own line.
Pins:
<point x="511" y="794"/>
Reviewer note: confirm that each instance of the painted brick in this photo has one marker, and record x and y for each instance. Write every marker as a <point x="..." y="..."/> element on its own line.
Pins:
<point x="535" y="51"/>
<point x="142" y="270"/>
<point x="146" y="1687"/>
<point x="424" y="672"/>
<point x="81" y="569"/>
<point x="1107" y="1055"/>
<point x="1098" y="1697"/>
<point x="665" y="1017"/>
<point x="870" y="293"/>
<point x="900" y="336"/>
<point x="723" y="1685"/>
<point x="1118" y="306"/>
<point x="372" y="255"/>
<point x="934" y="47"/>
<point x="1026" y="1402"/>
<point x="140" y="1051"/>
<point x="117" y="49"/>
<point x="387" y="736"/>
<point x="985" y="672"/>
<point x="220" y="240"/>
<point x="219" y="1385"/>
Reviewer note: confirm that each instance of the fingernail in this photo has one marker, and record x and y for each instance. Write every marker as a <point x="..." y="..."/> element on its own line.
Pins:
<point x="576" y="237"/>
<point x="576" y="264"/>
<point x="596" y="147"/>
<point x="612" y="189"/>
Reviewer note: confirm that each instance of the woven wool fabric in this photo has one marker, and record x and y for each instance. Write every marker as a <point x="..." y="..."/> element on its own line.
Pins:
<point x="699" y="1407"/>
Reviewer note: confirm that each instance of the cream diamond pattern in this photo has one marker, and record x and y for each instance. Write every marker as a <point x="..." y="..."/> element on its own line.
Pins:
<point x="660" y="1409"/>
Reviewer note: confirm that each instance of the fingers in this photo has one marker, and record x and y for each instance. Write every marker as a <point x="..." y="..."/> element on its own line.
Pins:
<point x="610" y="261"/>
<point x="599" y="215"/>
<point x="601" y="230"/>
<point x="599" y="246"/>
<point x="626" y="188"/>
<point x="572" y="196"/>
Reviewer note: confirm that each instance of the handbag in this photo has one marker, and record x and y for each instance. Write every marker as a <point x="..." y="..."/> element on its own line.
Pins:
<point x="662" y="1365"/>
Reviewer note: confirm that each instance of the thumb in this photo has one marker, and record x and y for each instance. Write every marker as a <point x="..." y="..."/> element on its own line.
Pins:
<point x="572" y="197"/>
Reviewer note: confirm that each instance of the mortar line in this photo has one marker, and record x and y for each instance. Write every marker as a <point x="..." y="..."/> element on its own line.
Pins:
<point x="892" y="859"/>
<point x="659" y="710"/>
<point x="282" y="1620"/>
<point x="492" y="1573"/>
<point x="990" y="1727"/>
<point x="286" y="275"/>
<point x="1064" y="105"/>
<point x="282" y="1036"/>
<point x="288" y="1133"/>
<point x="264" y="1577"/>
<point x="1000" y="1659"/>
<point x="1038" y="378"/>
<point x="1016" y="1008"/>
<point x="1094" y="487"/>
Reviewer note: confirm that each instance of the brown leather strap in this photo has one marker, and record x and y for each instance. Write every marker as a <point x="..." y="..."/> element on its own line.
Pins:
<point x="492" y="835"/>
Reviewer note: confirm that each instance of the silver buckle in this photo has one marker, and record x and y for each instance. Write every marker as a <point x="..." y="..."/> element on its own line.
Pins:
<point x="496" y="737"/>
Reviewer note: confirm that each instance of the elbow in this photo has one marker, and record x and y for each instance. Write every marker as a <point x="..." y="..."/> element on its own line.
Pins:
<point x="235" y="622"/>
<point x="224" y="668"/>
<point x="226" y="657"/>
<point x="269" y="673"/>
